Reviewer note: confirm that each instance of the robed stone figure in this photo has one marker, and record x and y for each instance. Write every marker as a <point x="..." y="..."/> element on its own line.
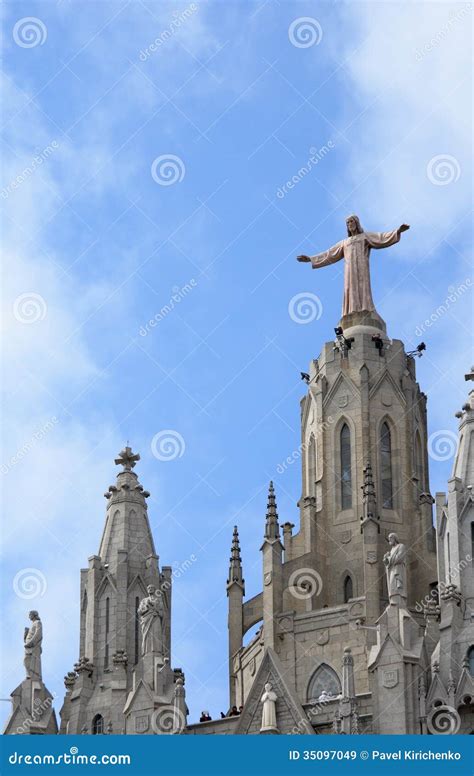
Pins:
<point x="355" y="250"/>
<point x="269" y="699"/>
<point x="151" y="612"/>
<point x="395" y="566"/>
<point x="33" y="641"/>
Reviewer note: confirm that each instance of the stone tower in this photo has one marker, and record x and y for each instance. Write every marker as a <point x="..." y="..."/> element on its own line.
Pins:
<point x="364" y="477"/>
<point x="118" y="686"/>
<point x="452" y="659"/>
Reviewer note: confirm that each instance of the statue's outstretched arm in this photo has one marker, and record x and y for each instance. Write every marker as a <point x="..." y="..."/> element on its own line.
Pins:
<point x="385" y="239"/>
<point x="336" y="253"/>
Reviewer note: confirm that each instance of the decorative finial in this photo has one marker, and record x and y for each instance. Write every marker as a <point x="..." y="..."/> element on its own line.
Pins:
<point x="272" y="529"/>
<point x="368" y="495"/>
<point x="127" y="459"/>
<point x="235" y="566"/>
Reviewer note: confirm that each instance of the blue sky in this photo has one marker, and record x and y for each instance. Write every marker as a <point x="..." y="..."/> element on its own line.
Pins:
<point x="95" y="246"/>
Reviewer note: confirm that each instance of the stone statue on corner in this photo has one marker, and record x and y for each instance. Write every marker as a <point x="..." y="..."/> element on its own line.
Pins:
<point x="33" y="639"/>
<point x="395" y="566"/>
<point x="355" y="250"/>
<point x="269" y="699"/>
<point x="151" y="612"/>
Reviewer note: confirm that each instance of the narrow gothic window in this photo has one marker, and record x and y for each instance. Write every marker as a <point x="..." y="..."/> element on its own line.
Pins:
<point x="324" y="679"/>
<point x="348" y="589"/>
<point x="312" y="466"/>
<point x="346" y="475"/>
<point x="107" y="626"/>
<point x="386" y="466"/>
<point x="418" y="462"/>
<point x="470" y="657"/>
<point x="137" y="625"/>
<point x="97" y="725"/>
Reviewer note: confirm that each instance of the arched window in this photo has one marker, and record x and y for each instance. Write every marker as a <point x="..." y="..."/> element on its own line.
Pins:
<point x="418" y="462"/>
<point x="470" y="659"/>
<point x="325" y="680"/>
<point x="97" y="725"/>
<point x="386" y="466"/>
<point x="312" y="466"/>
<point x="346" y="474"/>
<point x="107" y="628"/>
<point x="137" y="629"/>
<point x="348" y="589"/>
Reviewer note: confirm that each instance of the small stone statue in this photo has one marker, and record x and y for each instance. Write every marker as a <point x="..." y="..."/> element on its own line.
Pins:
<point x="151" y="612"/>
<point x="395" y="566"/>
<point x="269" y="699"/>
<point x="33" y="639"/>
<point x="355" y="250"/>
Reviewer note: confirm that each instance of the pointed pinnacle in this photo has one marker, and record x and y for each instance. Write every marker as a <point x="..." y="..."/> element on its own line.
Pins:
<point x="272" y="529"/>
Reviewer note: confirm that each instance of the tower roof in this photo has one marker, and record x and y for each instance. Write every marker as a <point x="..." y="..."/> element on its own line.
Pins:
<point x="235" y="565"/>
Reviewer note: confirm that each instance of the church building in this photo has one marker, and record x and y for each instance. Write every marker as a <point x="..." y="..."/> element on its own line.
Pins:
<point x="366" y="609"/>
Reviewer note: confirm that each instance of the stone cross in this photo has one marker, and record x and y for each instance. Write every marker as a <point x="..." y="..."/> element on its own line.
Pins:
<point x="127" y="459"/>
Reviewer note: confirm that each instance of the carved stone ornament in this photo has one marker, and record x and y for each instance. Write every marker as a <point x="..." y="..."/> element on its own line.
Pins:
<point x="390" y="678"/>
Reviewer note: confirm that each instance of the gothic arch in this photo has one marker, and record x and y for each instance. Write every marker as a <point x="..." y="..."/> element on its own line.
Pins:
<point x="312" y="465"/>
<point x="346" y="486"/>
<point x="386" y="446"/>
<point x="419" y="469"/>
<point x="348" y="587"/>
<point x="97" y="725"/>
<point x="324" y="678"/>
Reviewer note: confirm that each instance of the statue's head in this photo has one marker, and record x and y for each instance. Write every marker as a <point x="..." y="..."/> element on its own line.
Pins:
<point x="393" y="539"/>
<point x="33" y="615"/>
<point x="353" y="225"/>
<point x="268" y="686"/>
<point x="150" y="589"/>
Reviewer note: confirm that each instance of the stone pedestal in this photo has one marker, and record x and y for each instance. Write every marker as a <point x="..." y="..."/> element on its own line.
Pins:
<point x="32" y="712"/>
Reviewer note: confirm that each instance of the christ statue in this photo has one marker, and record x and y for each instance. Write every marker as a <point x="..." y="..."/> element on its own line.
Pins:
<point x="355" y="250"/>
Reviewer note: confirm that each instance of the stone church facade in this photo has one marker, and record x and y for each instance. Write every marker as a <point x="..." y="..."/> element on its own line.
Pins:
<point x="366" y="612"/>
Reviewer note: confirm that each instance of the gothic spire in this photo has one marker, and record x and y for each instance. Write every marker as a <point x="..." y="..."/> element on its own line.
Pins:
<point x="272" y="529"/>
<point x="235" y="565"/>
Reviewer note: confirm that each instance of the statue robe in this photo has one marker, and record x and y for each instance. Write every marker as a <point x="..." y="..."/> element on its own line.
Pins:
<point x="32" y="660"/>
<point x="355" y="251"/>
<point x="151" y="620"/>
<point x="396" y="571"/>
<point x="269" y="721"/>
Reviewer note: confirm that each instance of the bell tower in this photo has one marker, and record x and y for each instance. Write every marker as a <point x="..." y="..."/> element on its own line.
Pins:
<point x="112" y="668"/>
